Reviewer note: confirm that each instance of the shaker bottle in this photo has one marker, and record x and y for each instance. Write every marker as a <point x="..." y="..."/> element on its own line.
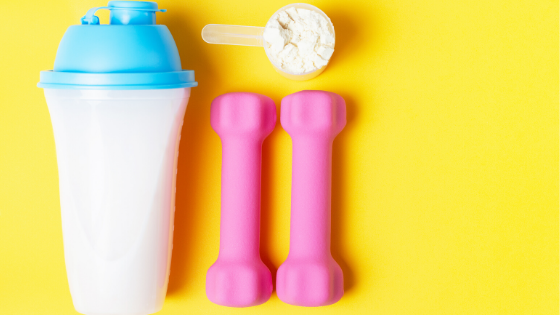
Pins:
<point x="117" y="97"/>
<point x="253" y="36"/>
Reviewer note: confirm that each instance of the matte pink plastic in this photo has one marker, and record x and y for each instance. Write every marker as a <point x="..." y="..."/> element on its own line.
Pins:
<point x="310" y="276"/>
<point x="239" y="278"/>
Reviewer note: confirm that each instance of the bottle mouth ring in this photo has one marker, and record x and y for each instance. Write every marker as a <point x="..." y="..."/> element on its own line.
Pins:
<point x="148" y="9"/>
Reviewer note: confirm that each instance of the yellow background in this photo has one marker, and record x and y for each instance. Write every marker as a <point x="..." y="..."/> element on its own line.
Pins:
<point x="445" y="193"/>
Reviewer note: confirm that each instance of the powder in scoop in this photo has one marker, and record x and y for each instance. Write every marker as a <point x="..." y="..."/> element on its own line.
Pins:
<point x="299" y="40"/>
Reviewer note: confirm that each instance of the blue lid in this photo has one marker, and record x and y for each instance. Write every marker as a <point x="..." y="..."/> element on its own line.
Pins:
<point x="130" y="53"/>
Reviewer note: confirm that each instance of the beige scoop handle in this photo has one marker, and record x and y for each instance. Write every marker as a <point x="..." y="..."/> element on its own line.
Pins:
<point x="233" y="35"/>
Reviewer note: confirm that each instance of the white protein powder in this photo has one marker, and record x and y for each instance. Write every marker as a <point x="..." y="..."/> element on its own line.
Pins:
<point x="299" y="40"/>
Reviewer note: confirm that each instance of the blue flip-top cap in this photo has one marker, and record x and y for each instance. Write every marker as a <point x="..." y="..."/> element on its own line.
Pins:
<point x="130" y="53"/>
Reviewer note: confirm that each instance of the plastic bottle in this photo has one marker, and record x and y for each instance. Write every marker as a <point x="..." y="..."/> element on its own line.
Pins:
<point x="117" y="97"/>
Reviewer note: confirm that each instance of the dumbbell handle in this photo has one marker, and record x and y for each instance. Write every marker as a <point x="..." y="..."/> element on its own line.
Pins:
<point x="240" y="209"/>
<point x="310" y="234"/>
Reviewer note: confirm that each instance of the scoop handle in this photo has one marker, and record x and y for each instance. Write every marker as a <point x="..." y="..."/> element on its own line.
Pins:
<point x="233" y="35"/>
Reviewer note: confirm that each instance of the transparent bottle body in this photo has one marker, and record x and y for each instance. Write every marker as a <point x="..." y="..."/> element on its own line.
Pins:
<point x="117" y="161"/>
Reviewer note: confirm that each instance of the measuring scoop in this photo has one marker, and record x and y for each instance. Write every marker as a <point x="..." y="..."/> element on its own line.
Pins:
<point x="253" y="36"/>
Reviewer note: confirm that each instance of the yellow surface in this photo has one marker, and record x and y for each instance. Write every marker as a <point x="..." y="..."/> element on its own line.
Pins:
<point x="445" y="194"/>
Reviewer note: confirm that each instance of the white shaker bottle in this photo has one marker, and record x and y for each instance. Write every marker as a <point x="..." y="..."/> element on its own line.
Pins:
<point x="117" y="96"/>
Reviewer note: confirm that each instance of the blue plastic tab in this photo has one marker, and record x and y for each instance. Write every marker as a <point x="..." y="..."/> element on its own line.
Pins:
<point x="130" y="53"/>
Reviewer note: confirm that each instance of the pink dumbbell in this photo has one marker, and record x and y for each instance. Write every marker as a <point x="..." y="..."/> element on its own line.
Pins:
<point x="310" y="276"/>
<point x="239" y="278"/>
